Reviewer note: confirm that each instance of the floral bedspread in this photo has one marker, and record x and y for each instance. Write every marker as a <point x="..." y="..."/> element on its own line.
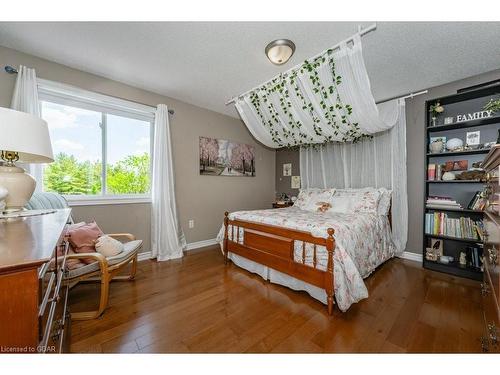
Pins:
<point x="363" y="242"/>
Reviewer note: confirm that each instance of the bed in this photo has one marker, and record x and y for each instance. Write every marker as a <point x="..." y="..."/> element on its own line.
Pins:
<point x="325" y="244"/>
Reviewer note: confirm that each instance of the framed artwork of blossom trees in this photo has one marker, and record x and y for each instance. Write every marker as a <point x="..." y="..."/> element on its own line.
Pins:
<point x="220" y="157"/>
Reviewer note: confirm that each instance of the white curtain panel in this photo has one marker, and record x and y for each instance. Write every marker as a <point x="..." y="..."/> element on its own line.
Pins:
<point x="377" y="162"/>
<point x="25" y="99"/>
<point x="330" y="100"/>
<point x="167" y="237"/>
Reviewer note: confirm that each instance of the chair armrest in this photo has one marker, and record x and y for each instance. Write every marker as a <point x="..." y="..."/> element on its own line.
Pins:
<point x="128" y="236"/>
<point x="101" y="259"/>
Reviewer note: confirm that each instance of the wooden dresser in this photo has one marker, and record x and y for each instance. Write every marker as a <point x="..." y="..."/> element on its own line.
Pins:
<point x="491" y="283"/>
<point x="33" y="299"/>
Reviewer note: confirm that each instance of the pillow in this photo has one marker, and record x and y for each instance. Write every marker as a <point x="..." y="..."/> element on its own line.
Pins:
<point x="83" y="237"/>
<point x="385" y="201"/>
<point x="350" y="201"/>
<point x="108" y="246"/>
<point x="314" y="199"/>
<point x="319" y="201"/>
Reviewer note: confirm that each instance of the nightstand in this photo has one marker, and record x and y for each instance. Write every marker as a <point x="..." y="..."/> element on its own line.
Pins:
<point x="282" y="205"/>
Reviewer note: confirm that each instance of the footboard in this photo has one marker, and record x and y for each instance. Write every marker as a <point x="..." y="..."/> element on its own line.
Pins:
<point x="274" y="247"/>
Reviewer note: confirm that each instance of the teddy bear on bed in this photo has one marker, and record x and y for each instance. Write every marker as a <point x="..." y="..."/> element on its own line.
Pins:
<point x="323" y="206"/>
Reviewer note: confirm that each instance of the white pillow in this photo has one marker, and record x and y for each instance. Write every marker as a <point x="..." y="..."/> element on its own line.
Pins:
<point x="351" y="201"/>
<point x="385" y="201"/>
<point x="320" y="201"/>
<point x="314" y="199"/>
<point x="108" y="246"/>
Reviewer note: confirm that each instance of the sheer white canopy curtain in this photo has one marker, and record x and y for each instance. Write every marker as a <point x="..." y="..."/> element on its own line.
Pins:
<point x="25" y="99"/>
<point x="167" y="237"/>
<point x="377" y="162"/>
<point x="327" y="98"/>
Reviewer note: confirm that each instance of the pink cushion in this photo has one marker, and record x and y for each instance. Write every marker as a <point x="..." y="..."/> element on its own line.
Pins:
<point x="83" y="237"/>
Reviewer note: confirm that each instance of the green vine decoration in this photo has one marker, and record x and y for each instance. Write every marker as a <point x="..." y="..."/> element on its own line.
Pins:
<point x="288" y="131"/>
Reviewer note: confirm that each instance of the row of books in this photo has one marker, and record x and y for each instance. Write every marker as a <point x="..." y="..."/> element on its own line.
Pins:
<point x="436" y="201"/>
<point x="438" y="223"/>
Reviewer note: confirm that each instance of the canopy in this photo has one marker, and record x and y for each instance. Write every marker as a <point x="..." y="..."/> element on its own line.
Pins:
<point x="327" y="99"/>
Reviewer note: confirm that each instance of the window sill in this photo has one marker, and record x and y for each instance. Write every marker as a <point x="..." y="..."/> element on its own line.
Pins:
<point x="99" y="201"/>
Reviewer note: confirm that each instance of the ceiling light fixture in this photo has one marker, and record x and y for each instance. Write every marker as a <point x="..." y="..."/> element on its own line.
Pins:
<point x="279" y="51"/>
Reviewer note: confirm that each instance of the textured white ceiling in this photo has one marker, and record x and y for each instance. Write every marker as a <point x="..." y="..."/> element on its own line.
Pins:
<point x="206" y="63"/>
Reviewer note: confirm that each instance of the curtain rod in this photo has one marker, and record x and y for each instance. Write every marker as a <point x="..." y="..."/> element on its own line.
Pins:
<point x="11" y="70"/>
<point x="407" y="96"/>
<point x="361" y="32"/>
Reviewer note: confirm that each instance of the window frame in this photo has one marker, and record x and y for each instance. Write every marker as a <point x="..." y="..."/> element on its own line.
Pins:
<point x="62" y="94"/>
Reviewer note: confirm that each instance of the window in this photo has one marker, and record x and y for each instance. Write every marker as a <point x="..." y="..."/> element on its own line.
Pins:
<point x="102" y="149"/>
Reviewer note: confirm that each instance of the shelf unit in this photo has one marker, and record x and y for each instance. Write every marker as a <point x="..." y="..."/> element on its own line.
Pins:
<point x="458" y="153"/>
<point x="460" y="190"/>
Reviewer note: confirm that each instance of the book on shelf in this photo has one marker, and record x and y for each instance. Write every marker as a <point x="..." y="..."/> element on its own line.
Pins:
<point x="437" y="202"/>
<point x="477" y="202"/>
<point x="474" y="257"/>
<point x="440" y="224"/>
<point x="431" y="172"/>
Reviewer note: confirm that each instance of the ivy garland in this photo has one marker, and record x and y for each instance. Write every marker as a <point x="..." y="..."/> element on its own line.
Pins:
<point x="293" y="135"/>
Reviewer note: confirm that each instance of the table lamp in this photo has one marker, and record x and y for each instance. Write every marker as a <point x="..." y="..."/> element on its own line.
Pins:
<point x="24" y="138"/>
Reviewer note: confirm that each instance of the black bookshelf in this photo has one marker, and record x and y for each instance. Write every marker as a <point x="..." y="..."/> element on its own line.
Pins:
<point x="462" y="103"/>
<point x="454" y="182"/>
<point x="459" y="153"/>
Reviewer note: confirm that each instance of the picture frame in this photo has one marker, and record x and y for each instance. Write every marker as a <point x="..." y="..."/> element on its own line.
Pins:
<point x="456" y="165"/>
<point x="287" y="169"/>
<point x="448" y="120"/>
<point x="295" y="184"/>
<point x="221" y="157"/>
<point x="473" y="138"/>
<point x="437" y="247"/>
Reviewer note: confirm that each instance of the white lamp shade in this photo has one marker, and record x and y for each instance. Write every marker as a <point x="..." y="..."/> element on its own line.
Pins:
<point x="25" y="134"/>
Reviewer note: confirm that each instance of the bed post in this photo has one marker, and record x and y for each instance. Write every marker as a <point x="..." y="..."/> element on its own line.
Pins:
<point x="329" y="279"/>
<point x="224" y="244"/>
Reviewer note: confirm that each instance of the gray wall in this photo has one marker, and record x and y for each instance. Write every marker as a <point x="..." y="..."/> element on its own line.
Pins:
<point x="284" y="183"/>
<point x="202" y="198"/>
<point x="415" y="143"/>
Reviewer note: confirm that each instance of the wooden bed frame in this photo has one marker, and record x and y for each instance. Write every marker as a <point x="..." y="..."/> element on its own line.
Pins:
<point x="273" y="246"/>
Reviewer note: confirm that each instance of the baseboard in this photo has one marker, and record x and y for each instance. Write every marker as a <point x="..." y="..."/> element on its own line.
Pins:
<point x="411" y="256"/>
<point x="190" y="246"/>
<point x="197" y="245"/>
<point x="143" y="256"/>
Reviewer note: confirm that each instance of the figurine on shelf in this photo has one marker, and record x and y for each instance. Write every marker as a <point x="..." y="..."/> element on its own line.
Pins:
<point x="463" y="258"/>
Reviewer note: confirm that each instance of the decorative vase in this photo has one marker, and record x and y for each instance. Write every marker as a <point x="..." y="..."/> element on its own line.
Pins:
<point x="436" y="147"/>
<point x="433" y="121"/>
<point x="3" y="194"/>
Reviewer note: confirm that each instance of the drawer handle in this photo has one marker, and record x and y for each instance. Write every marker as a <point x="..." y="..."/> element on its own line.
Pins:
<point x="484" y="344"/>
<point x="492" y="332"/>
<point x="493" y="255"/>
<point x="485" y="289"/>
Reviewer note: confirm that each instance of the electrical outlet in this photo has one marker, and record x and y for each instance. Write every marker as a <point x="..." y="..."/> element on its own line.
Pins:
<point x="191" y="224"/>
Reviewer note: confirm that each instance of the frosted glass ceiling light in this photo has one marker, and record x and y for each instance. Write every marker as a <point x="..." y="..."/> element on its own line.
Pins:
<point x="279" y="51"/>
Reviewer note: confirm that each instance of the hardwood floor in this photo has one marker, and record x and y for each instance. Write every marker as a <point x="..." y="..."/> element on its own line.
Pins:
<point x="198" y="305"/>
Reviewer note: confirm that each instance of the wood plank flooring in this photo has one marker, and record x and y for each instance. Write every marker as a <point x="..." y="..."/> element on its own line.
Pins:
<point x="198" y="305"/>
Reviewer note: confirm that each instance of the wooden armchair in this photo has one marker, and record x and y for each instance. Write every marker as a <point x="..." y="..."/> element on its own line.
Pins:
<point x="104" y="270"/>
